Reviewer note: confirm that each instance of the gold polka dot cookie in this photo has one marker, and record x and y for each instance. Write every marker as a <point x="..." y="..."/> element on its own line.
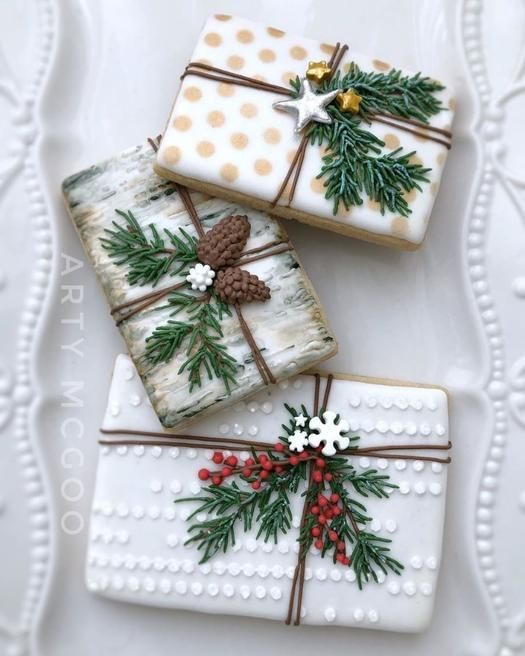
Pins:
<point x="225" y="138"/>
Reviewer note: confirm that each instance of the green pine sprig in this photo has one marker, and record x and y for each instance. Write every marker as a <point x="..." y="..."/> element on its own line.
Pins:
<point x="355" y="164"/>
<point x="148" y="258"/>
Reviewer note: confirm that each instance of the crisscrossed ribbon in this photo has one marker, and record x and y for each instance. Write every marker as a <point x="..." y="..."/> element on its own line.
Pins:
<point x="397" y="451"/>
<point x="124" y="311"/>
<point x="410" y="125"/>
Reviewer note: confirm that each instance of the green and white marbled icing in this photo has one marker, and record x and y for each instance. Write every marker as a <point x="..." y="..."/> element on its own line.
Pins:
<point x="289" y="329"/>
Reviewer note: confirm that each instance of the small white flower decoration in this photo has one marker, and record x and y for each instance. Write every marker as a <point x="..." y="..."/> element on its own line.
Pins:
<point x="329" y="430"/>
<point x="298" y="441"/>
<point x="300" y="421"/>
<point x="200" y="276"/>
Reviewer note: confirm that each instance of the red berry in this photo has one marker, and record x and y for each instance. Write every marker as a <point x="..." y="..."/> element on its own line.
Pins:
<point x="246" y="472"/>
<point x="315" y="510"/>
<point x="268" y="465"/>
<point x="249" y="462"/>
<point x="328" y="476"/>
<point x="217" y="457"/>
<point x="320" y="462"/>
<point x="279" y="447"/>
<point x="323" y="501"/>
<point x="294" y="460"/>
<point x="336" y="511"/>
<point x="204" y="474"/>
<point x="317" y="477"/>
<point x="328" y="514"/>
<point x="340" y="558"/>
<point x="332" y="535"/>
<point x="318" y="448"/>
<point x="322" y="520"/>
<point x="318" y="544"/>
<point x="263" y="457"/>
<point x="279" y="469"/>
<point x="304" y="455"/>
<point x="256" y="485"/>
<point x="216" y="480"/>
<point x="346" y="560"/>
<point x="264" y="474"/>
<point x="315" y="531"/>
<point x="231" y="461"/>
<point x="340" y="545"/>
<point x="226" y="471"/>
<point x="334" y="498"/>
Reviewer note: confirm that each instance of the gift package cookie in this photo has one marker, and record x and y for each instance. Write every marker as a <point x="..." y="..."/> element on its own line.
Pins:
<point x="310" y="131"/>
<point x="320" y="500"/>
<point x="210" y="297"/>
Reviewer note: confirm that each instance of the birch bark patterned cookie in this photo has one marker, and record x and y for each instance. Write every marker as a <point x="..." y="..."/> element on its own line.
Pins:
<point x="215" y="519"/>
<point x="309" y="131"/>
<point x="210" y="297"/>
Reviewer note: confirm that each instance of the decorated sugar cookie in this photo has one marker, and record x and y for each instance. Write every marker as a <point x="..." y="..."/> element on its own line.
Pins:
<point x="209" y="296"/>
<point x="309" y="131"/>
<point x="319" y="500"/>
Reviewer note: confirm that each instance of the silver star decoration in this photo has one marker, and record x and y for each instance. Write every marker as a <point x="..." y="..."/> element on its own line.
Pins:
<point x="308" y="106"/>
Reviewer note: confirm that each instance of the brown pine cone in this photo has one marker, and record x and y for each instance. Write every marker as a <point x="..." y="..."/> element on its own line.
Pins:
<point x="236" y="285"/>
<point x="223" y="244"/>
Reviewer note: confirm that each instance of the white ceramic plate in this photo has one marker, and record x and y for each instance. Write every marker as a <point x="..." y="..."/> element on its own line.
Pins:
<point x="81" y="80"/>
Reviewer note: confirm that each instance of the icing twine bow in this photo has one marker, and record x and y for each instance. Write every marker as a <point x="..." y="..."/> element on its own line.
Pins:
<point x="348" y="101"/>
<point x="221" y="255"/>
<point x="331" y="519"/>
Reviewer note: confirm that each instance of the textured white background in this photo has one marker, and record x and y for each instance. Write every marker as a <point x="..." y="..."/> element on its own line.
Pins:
<point x="82" y="80"/>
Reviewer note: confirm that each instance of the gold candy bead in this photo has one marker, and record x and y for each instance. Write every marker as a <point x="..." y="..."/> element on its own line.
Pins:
<point x="349" y="101"/>
<point x="318" y="71"/>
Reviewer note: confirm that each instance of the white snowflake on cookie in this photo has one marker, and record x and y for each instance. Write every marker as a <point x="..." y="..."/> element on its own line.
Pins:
<point x="329" y="430"/>
<point x="300" y="421"/>
<point x="200" y="276"/>
<point x="298" y="440"/>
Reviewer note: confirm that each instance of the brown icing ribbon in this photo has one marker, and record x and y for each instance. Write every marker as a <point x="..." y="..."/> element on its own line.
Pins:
<point x="409" y="125"/>
<point x="128" y="309"/>
<point x="158" y="438"/>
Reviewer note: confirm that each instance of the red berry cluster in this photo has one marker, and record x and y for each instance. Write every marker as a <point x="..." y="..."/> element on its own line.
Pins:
<point x="326" y="508"/>
<point x="256" y="469"/>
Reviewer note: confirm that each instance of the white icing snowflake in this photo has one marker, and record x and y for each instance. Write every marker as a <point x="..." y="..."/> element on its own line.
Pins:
<point x="300" y="421"/>
<point x="298" y="441"/>
<point x="200" y="276"/>
<point x="328" y="431"/>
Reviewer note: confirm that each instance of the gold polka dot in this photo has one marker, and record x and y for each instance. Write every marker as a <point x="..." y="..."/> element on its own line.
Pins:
<point x="172" y="155"/>
<point x="262" y="166"/>
<point x="399" y="226"/>
<point x="447" y="126"/>
<point x="215" y="119"/>
<point x="193" y="94"/>
<point x="266" y="55"/>
<point x="222" y="17"/>
<point x="381" y="66"/>
<point x="259" y="77"/>
<point x="182" y="123"/>
<point x="213" y="39"/>
<point x="317" y="186"/>
<point x="245" y="36"/>
<point x="226" y="90"/>
<point x="409" y="196"/>
<point x="441" y="158"/>
<point x="273" y="31"/>
<point x="290" y="155"/>
<point x="342" y="211"/>
<point x="327" y="48"/>
<point x="298" y="52"/>
<point x="205" y="148"/>
<point x="272" y="136"/>
<point x="373" y="205"/>
<point x="391" y="141"/>
<point x="229" y="172"/>
<point x="235" y="62"/>
<point x="203" y="60"/>
<point x="249" y="110"/>
<point x="239" y="140"/>
<point x="346" y="67"/>
<point x="414" y="160"/>
<point x="289" y="75"/>
<point x="452" y="104"/>
<point x="434" y="188"/>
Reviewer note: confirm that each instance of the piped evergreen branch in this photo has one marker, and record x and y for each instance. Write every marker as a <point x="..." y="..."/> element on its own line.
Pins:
<point x="148" y="258"/>
<point x="335" y="521"/>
